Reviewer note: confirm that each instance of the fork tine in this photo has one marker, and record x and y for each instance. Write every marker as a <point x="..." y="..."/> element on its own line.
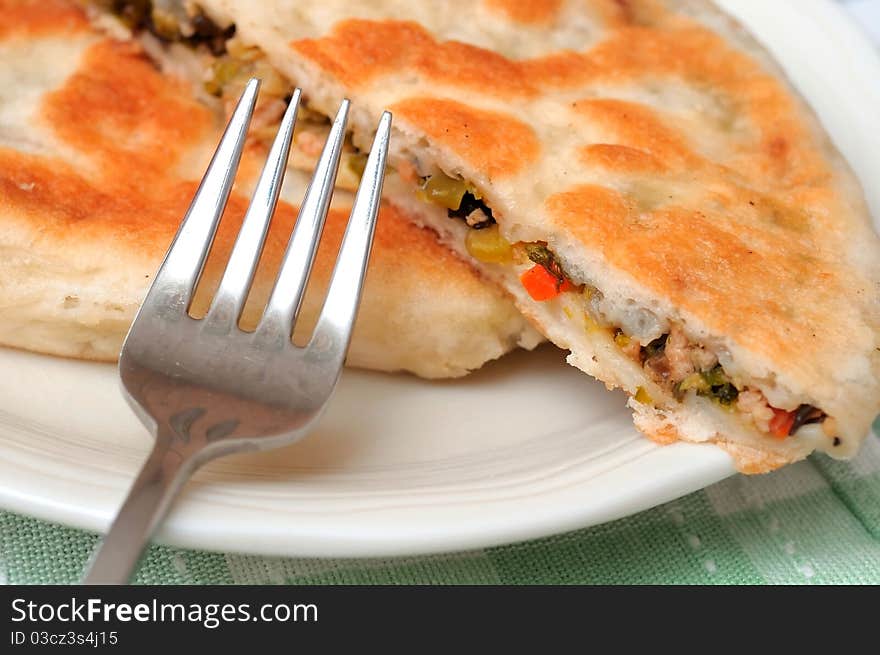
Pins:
<point x="176" y="279"/>
<point x="287" y="294"/>
<point x="232" y="292"/>
<point x="333" y="330"/>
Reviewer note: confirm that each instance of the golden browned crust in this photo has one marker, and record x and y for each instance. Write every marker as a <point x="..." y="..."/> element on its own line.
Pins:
<point x="123" y="193"/>
<point x="358" y="52"/>
<point x="649" y="143"/>
<point x="748" y="460"/>
<point x="526" y="11"/>
<point x="753" y="461"/>
<point x="741" y="275"/>
<point x="27" y="18"/>
<point x="491" y="141"/>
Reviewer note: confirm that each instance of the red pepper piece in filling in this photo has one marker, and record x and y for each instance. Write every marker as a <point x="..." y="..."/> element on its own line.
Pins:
<point x="542" y="285"/>
<point x="780" y="424"/>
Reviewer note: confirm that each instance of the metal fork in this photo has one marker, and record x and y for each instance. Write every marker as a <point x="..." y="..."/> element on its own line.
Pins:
<point x="204" y="387"/>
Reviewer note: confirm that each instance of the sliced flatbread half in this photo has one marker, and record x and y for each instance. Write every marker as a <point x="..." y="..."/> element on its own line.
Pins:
<point x="100" y="154"/>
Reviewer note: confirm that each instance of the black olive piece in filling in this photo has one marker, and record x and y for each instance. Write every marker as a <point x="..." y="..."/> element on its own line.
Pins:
<point x="212" y="35"/>
<point x="806" y="415"/>
<point x="133" y="13"/>
<point x="469" y="203"/>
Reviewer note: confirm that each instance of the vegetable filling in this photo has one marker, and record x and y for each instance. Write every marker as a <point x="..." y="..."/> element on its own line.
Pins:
<point x="228" y="64"/>
<point x="169" y="21"/>
<point x="672" y="361"/>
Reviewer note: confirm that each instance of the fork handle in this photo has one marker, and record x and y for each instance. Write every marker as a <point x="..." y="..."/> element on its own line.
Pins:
<point x="160" y="478"/>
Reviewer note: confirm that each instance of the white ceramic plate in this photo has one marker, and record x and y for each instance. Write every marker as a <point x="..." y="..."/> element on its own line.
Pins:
<point x="525" y="448"/>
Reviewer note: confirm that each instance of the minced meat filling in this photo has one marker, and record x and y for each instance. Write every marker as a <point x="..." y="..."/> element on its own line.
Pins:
<point x="680" y="366"/>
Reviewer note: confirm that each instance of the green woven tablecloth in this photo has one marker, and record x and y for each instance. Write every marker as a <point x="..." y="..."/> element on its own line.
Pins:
<point x="815" y="522"/>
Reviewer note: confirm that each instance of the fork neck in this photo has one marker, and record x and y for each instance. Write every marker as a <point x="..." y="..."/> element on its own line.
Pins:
<point x="167" y="468"/>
